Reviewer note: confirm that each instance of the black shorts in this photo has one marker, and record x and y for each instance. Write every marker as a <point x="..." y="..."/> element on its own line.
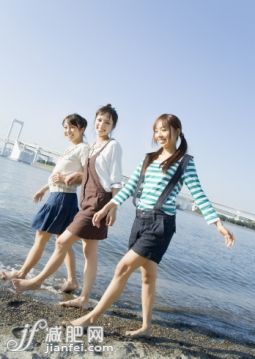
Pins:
<point x="151" y="234"/>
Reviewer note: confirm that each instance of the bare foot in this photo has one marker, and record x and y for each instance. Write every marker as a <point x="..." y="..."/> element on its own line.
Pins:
<point x="68" y="286"/>
<point x="21" y="285"/>
<point x="11" y="275"/>
<point x="76" y="303"/>
<point x="141" y="332"/>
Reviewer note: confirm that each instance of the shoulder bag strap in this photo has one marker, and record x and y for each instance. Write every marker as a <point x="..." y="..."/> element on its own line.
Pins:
<point x="169" y="187"/>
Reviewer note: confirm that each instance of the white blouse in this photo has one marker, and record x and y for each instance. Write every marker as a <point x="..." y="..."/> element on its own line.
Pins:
<point x="72" y="160"/>
<point x="108" y="164"/>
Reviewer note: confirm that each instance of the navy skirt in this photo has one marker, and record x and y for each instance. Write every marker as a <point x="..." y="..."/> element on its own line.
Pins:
<point x="57" y="213"/>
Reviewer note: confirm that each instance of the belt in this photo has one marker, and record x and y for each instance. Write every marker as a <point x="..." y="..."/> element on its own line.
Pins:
<point x="151" y="214"/>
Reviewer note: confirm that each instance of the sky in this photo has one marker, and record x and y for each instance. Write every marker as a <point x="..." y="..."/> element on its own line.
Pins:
<point x="192" y="58"/>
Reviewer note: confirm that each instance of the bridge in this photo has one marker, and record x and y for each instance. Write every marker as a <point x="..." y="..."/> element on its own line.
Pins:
<point x="18" y="150"/>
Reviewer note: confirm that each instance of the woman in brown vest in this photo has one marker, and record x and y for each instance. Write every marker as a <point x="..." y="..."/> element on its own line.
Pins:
<point x="101" y="179"/>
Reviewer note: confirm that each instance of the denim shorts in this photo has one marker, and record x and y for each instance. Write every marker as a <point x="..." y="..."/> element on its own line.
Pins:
<point x="151" y="234"/>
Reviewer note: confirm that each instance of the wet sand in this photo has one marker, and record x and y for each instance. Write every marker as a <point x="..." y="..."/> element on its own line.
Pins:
<point x="179" y="342"/>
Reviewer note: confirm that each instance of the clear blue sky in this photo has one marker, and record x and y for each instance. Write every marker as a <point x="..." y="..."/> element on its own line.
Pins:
<point x="193" y="58"/>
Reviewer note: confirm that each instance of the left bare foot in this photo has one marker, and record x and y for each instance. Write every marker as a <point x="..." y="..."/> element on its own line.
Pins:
<point x="76" y="303"/>
<point x="21" y="285"/>
<point x="141" y="332"/>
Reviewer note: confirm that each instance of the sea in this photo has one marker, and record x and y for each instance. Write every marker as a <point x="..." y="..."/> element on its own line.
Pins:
<point x="201" y="283"/>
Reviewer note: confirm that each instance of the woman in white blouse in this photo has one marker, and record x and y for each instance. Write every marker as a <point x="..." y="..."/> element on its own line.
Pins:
<point x="62" y="204"/>
<point x="101" y="179"/>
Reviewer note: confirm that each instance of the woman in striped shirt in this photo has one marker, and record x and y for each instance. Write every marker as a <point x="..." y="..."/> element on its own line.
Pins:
<point x="154" y="224"/>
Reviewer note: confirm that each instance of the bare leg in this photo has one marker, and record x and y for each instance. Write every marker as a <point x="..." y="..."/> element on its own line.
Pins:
<point x="63" y="243"/>
<point x="71" y="282"/>
<point x="89" y="275"/>
<point x="127" y="265"/>
<point x="35" y="253"/>
<point x="149" y="276"/>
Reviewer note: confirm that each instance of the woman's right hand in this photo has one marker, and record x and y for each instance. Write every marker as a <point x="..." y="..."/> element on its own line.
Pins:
<point x="39" y="195"/>
<point x="58" y="178"/>
<point x="228" y="236"/>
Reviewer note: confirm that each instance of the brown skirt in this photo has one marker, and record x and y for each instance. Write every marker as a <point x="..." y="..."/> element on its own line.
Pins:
<point x="82" y="225"/>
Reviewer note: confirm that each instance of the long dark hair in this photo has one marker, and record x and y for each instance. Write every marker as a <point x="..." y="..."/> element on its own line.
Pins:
<point x="168" y="121"/>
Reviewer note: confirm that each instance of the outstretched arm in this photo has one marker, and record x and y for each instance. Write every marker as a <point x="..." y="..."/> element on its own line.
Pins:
<point x="211" y="216"/>
<point x="191" y="180"/>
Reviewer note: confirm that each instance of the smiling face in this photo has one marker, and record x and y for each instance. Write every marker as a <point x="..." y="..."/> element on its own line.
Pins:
<point x="166" y="136"/>
<point x="103" y="125"/>
<point x="73" y="133"/>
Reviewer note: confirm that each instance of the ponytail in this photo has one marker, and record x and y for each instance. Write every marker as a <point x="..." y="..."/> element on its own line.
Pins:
<point x="169" y="121"/>
<point x="179" y="153"/>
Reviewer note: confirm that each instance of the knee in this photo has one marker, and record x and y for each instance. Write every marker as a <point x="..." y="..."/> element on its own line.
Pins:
<point x="61" y="244"/>
<point x="122" y="270"/>
<point x="148" y="278"/>
<point x="40" y="239"/>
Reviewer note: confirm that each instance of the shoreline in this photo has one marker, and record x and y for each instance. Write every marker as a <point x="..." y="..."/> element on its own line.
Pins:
<point x="176" y="341"/>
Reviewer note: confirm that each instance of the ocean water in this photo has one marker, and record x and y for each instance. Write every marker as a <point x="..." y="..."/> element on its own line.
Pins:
<point x="201" y="283"/>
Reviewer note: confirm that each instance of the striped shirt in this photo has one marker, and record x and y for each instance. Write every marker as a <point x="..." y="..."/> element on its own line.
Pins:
<point x="154" y="183"/>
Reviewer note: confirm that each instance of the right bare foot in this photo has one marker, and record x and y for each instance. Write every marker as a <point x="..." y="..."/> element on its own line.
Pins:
<point x="76" y="303"/>
<point x="68" y="286"/>
<point x="9" y="275"/>
<point x="21" y="285"/>
<point x="139" y="333"/>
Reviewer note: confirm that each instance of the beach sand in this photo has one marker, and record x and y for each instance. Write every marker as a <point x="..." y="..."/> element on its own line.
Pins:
<point x="179" y="342"/>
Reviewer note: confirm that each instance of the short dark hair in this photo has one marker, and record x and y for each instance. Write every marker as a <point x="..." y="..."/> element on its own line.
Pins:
<point x="111" y="111"/>
<point x="75" y="120"/>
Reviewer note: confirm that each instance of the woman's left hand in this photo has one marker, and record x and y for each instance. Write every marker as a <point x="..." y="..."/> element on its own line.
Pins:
<point x="58" y="178"/>
<point x="108" y="211"/>
<point x="73" y="179"/>
<point x="111" y="216"/>
<point x="98" y="216"/>
<point x="228" y="236"/>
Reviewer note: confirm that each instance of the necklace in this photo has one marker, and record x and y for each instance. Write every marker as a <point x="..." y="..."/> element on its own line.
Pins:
<point x="96" y="147"/>
<point x="70" y="149"/>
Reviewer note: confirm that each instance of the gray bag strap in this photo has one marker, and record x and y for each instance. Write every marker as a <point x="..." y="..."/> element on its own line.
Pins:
<point x="169" y="187"/>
